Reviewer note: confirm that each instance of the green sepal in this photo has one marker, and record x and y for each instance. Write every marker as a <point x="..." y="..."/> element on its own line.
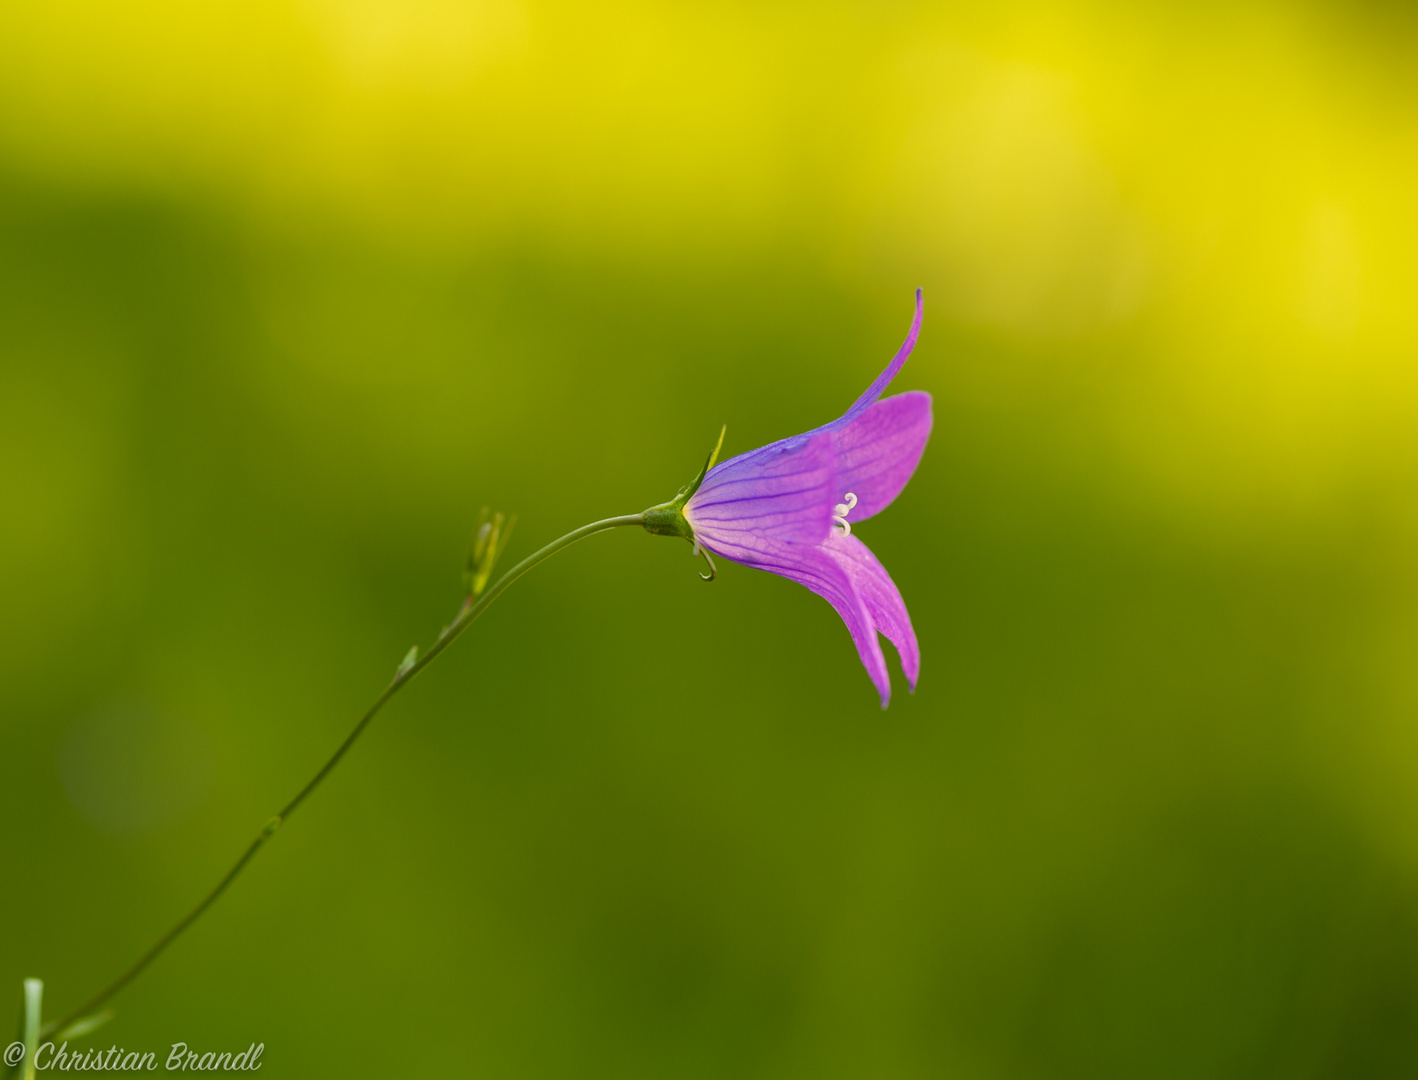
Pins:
<point x="667" y="519"/>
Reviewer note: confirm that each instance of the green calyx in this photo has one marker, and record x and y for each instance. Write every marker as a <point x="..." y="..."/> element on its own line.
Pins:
<point x="668" y="518"/>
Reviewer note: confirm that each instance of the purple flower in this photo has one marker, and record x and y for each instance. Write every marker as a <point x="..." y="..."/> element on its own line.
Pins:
<point x="789" y="508"/>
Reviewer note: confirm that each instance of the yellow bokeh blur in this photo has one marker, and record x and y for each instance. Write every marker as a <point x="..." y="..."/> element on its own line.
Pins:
<point x="1236" y="187"/>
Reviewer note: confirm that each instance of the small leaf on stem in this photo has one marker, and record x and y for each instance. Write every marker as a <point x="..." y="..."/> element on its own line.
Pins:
<point x="85" y="1025"/>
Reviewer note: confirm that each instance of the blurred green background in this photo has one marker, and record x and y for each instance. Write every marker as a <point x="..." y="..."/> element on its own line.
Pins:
<point x="289" y="289"/>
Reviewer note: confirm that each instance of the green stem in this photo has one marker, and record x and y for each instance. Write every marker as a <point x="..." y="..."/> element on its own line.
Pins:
<point x="471" y="609"/>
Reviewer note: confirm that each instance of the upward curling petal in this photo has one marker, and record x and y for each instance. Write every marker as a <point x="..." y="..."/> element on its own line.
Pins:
<point x="877" y="388"/>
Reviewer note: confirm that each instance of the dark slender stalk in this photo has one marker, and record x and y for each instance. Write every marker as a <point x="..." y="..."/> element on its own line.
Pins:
<point x="472" y="608"/>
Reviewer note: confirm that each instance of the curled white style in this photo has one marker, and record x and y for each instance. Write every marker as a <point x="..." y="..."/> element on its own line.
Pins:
<point x="840" y="512"/>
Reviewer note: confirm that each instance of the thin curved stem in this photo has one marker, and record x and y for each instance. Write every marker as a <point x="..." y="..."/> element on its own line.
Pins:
<point x="471" y="609"/>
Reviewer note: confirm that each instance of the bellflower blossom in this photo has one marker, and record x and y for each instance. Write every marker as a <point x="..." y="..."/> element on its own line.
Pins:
<point x="789" y="508"/>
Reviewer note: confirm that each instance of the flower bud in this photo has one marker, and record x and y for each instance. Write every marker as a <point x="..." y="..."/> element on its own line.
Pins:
<point x="489" y="538"/>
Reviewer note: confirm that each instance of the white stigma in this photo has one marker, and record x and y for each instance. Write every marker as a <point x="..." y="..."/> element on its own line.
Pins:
<point x="840" y="512"/>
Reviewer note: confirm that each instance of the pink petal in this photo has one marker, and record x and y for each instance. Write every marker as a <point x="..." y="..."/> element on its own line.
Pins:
<point x="881" y="597"/>
<point x="812" y="566"/>
<point x="878" y="450"/>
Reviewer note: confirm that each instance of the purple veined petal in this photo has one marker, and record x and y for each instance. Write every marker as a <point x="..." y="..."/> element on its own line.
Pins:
<point x="881" y="597"/>
<point x="878" y="451"/>
<point x="829" y="577"/>
<point x="782" y="492"/>
<point x="877" y="388"/>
